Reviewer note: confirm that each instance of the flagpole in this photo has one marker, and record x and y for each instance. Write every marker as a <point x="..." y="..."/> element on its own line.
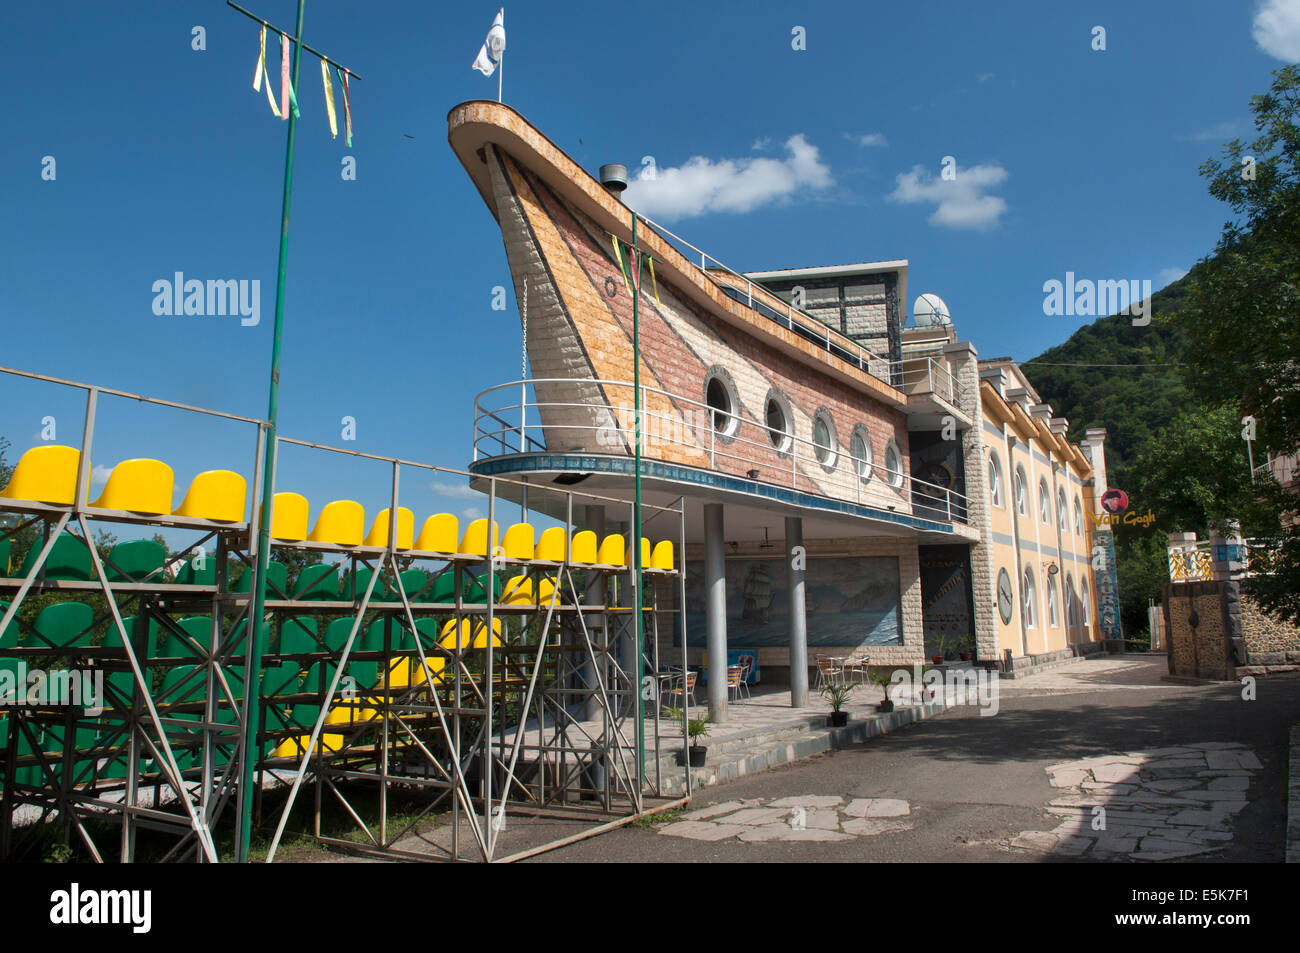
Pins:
<point x="639" y="668"/>
<point x="501" y="68"/>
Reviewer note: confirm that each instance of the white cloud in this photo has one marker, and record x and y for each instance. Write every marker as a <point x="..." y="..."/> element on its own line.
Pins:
<point x="99" y="475"/>
<point x="761" y="143"/>
<point x="472" y="513"/>
<point x="1167" y="276"/>
<point x="1220" y="132"/>
<point x="868" y="140"/>
<point x="702" y="185"/>
<point x="961" y="202"/>
<point x="985" y="77"/>
<point x="456" y="491"/>
<point x="1276" y="29"/>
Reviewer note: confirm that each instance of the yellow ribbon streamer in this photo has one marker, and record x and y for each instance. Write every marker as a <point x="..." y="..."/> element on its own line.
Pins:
<point x="619" y="255"/>
<point x="329" y="99"/>
<point x="261" y="72"/>
<point x="654" y="283"/>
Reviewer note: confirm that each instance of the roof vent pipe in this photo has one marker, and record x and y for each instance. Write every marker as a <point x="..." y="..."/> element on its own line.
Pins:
<point x="614" y="177"/>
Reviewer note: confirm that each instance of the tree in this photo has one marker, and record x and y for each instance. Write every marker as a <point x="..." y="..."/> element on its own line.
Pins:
<point x="1242" y="316"/>
<point x="1240" y="313"/>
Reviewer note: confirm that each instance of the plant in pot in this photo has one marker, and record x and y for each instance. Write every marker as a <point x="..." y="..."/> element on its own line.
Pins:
<point x="696" y="728"/>
<point x="965" y="650"/>
<point x="940" y="649"/>
<point x="881" y="676"/>
<point x="837" y="693"/>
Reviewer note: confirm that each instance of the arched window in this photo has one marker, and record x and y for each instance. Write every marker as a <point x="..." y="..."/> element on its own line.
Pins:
<point x="1027" y="598"/>
<point x="1044" y="503"/>
<point x="995" y="480"/>
<point x="1078" y="516"/>
<point x="1071" y="603"/>
<point x="1062" y="512"/>
<point x="1083" y="601"/>
<point x="1053" y="613"/>
<point x="1022" y="492"/>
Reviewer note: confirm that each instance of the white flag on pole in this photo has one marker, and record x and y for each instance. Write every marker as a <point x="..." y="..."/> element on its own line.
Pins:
<point x="489" y="54"/>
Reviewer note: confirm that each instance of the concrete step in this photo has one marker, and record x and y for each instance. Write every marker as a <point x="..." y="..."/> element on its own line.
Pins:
<point x="790" y="743"/>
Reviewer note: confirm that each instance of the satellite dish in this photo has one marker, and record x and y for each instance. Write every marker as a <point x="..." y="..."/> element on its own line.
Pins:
<point x="930" y="310"/>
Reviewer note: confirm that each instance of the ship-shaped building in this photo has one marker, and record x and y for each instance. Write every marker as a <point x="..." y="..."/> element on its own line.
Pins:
<point x="819" y="443"/>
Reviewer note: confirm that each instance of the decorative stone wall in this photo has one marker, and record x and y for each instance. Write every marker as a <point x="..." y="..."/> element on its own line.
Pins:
<point x="1269" y="640"/>
<point x="1203" y="620"/>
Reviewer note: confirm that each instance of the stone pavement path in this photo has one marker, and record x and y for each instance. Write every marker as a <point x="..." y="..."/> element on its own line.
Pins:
<point x="809" y="817"/>
<point x="1162" y="804"/>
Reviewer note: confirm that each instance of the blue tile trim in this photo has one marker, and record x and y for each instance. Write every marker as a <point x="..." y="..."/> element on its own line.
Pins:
<point x="531" y="463"/>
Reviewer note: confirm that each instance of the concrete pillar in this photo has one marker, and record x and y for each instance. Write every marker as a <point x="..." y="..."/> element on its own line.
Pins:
<point x="595" y="521"/>
<point x="715" y="607"/>
<point x="796" y="559"/>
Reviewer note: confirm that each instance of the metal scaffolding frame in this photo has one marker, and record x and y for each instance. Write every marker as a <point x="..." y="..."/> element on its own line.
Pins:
<point x="483" y="731"/>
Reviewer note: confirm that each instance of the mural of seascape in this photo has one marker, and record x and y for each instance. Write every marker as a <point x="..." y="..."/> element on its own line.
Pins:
<point x="850" y="602"/>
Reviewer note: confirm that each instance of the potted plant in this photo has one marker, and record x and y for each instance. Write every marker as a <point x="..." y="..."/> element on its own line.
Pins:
<point x="696" y="728"/>
<point x="881" y="676"/>
<point x="940" y="649"/>
<point x="837" y="693"/>
<point x="966" y="651"/>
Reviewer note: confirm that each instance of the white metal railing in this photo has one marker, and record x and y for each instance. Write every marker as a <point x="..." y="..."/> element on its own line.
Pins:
<point x="917" y="375"/>
<point x="1283" y="468"/>
<point x="771" y="306"/>
<point x="691" y="430"/>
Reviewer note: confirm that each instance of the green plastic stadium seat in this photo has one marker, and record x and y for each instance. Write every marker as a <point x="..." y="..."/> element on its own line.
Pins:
<point x="68" y="560"/>
<point x="193" y="574"/>
<point x="298" y="636"/>
<point x="63" y="625"/>
<point x="134" y="560"/>
<point x="277" y="575"/>
<point x="319" y="583"/>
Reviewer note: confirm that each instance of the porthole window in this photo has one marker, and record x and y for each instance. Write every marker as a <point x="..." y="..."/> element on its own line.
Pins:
<point x="995" y="480"/>
<point x="860" y="450"/>
<point x="893" y="465"/>
<point x="720" y="396"/>
<point x="824" y="443"/>
<point x="777" y="417"/>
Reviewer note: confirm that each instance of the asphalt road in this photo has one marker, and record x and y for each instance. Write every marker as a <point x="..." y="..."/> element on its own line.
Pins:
<point x="974" y="783"/>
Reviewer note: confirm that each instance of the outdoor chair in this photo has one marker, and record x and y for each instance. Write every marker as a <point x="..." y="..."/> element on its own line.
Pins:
<point x="683" y="687"/>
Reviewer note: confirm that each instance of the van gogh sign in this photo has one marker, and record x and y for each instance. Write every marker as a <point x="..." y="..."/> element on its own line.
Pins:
<point x="1132" y="518"/>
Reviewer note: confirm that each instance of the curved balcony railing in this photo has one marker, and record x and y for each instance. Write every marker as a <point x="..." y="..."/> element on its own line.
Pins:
<point x="679" y="430"/>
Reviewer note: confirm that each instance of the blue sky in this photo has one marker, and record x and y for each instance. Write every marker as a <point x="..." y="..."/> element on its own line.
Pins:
<point x="167" y="160"/>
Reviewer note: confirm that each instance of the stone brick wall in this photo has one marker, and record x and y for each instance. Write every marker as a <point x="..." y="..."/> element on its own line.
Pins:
<point x="1201" y="620"/>
<point x="1269" y="640"/>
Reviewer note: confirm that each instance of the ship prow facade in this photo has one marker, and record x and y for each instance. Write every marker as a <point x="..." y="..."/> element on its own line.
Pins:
<point x="791" y="404"/>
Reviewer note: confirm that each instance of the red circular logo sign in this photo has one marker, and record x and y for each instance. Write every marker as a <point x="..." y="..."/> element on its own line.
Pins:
<point x="1114" y="501"/>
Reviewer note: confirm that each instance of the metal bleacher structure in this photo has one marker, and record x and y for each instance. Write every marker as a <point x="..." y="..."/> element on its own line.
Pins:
<point x="409" y="664"/>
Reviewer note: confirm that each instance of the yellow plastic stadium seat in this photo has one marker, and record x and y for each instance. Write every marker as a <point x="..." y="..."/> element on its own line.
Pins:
<point x="553" y="545"/>
<point x="613" y="551"/>
<point x="341" y="522"/>
<point x="475" y="540"/>
<point x="519" y="542"/>
<point x="139" y="486"/>
<point x="439" y="534"/>
<point x="662" y="557"/>
<point x="215" y="495"/>
<point x="378" y="535"/>
<point x="518" y="592"/>
<point x="645" y="554"/>
<point x="584" y="548"/>
<point x="405" y="673"/>
<point x="451" y="643"/>
<point x="45" y="474"/>
<point x="289" y="517"/>
<point x="546" y="592"/>
<point x="294" y="747"/>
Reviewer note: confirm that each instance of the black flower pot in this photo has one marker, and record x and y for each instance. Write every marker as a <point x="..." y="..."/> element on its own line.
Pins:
<point x="885" y="706"/>
<point x="838" y="719"/>
<point x="696" y="755"/>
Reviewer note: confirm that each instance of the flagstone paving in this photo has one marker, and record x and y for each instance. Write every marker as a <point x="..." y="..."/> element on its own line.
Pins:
<point x="1161" y="804"/>
<point x="813" y="817"/>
